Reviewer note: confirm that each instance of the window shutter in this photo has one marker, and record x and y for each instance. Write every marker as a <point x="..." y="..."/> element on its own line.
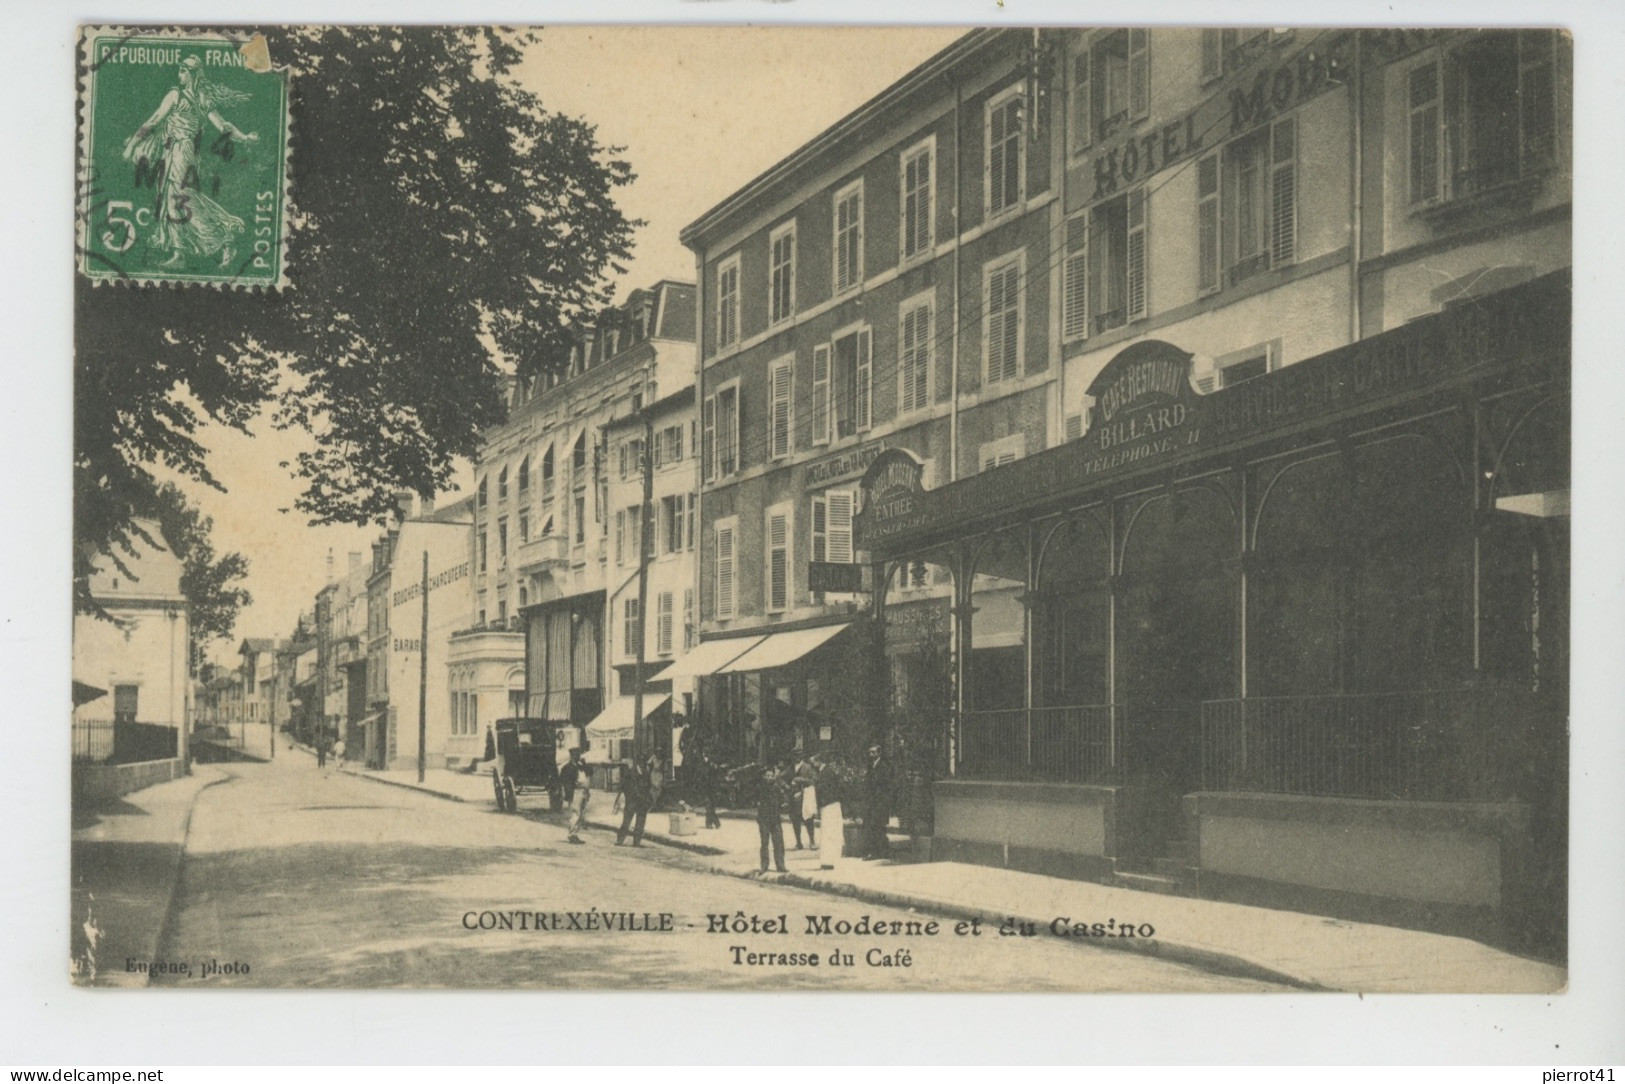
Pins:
<point x="688" y="618"/>
<point x="820" y="521"/>
<point x="1457" y="153"/>
<point x="779" y="411"/>
<point x="1207" y="223"/>
<point x="1284" y="192"/>
<point x="1083" y="125"/>
<point x="1212" y="55"/>
<point x="620" y="537"/>
<point x="838" y="526"/>
<point x="1137" y="302"/>
<point x="864" y="391"/>
<point x="1139" y="73"/>
<point x="708" y="454"/>
<point x="916" y="358"/>
<point x="663" y="621"/>
<point x="1074" y="426"/>
<point x="778" y="561"/>
<point x="1075" y="305"/>
<point x="1424" y="135"/>
<point x="1003" y="323"/>
<point x="820" y="411"/>
<point x="725" y="572"/>
<point x="693" y="503"/>
<point x="1537" y="121"/>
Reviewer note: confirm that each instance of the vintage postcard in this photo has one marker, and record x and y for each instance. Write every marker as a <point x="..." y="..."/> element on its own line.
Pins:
<point x="1044" y="508"/>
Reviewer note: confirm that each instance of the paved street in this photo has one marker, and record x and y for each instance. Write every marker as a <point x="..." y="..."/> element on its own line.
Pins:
<point x="319" y="879"/>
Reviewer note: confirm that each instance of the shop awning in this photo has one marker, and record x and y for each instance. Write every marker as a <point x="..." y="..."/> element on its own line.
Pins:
<point x="783" y="648"/>
<point x="710" y="656"/>
<point x="615" y="721"/>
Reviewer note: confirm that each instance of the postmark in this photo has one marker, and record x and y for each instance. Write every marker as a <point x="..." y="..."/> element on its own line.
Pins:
<point x="183" y="159"/>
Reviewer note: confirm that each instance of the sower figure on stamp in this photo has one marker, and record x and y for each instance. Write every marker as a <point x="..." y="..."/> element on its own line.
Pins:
<point x="635" y="799"/>
<point x="189" y="223"/>
<point x="577" y="786"/>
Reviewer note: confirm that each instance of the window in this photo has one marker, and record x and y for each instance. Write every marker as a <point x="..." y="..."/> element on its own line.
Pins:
<point x="578" y="456"/>
<point x="634" y="534"/>
<point x="502" y="485"/>
<point x="1004" y="168"/>
<point x="502" y="542"/>
<point x="1120" y="81"/>
<point x="1001" y="319"/>
<point x="688" y="619"/>
<point x="725" y="569"/>
<point x="620" y="536"/>
<point x="1079" y="114"/>
<point x="1117" y="271"/>
<point x="483" y="550"/>
<point x="1004" y="451"/>
<point x="917" y="181"/>
<point x="612" y="345"/>
<point x="126" y="701"/>
<point x="779" y="382"/>
<point x="502" y="611"/>
<point x="728" y="302"/>
<point x="914" y="355"/>
<point x="842" y="389"/>
<point x="581" y="517"/>
<point x="482" y="500"/>
<point x="832" y="514"/>
<point x="1247" y="206"/>
<point x="663" y="622"/>
<point x="777" y="577"/>
<point x="781" y="285"/>
<point x="524" y="596"/>
<point x="524" y="526"/>
<point x="547" y="472"/>
<point x="720" y="450"/>
<point x="632" y="458"/>
<point x="632" y="627"/>
<point x="848" y="244"/>
<point x="669" y="446"/>
<point x="672" y="519"/>
<point x="1483" y="115"/>
<point x="693" y="507"/>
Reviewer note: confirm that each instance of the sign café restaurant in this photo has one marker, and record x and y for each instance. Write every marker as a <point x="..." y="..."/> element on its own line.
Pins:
<point x="1300" y="640"/>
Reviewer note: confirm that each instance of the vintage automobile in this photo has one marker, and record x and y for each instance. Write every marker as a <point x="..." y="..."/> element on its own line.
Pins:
<point x="527" y="756"/>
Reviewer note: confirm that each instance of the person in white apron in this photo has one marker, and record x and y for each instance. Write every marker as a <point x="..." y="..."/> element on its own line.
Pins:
<point x="825" y="793"/>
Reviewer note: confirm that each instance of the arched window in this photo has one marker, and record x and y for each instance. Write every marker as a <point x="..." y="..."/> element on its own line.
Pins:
<point x="484" y="493"/>
<point x="996" y="669"/>
<point x="524" y="478"/>
<point x="1071" y="621"/>
<point x="502" y="484"/>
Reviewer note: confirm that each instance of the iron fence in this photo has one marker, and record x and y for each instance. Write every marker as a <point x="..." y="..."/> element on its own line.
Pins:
<point x="1421" y="746"/>
<point x="1071" y="744"/>
<point x="121" y="742"/>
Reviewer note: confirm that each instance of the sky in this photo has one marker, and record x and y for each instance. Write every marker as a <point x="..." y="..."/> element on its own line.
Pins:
<point x="699" y="111"/>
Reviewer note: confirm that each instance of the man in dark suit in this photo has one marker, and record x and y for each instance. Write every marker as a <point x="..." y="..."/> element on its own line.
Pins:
<point x="877" y="785"/>
<point x="636" y="798"/>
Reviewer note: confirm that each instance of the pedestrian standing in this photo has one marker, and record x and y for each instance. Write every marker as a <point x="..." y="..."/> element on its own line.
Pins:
<point x="711" y="781"/>
<point x="634" y="800"/>
<point x="877" y="787"/>
<point x="831" y="817"/>
<point x="803" y="804"/>
<point x="321" y="751"/>
<point x="770" y="795"/>
<point x="577" y="785"/>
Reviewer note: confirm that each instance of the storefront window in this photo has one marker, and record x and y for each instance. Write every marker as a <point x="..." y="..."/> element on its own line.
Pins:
<point x="996" y="670"/>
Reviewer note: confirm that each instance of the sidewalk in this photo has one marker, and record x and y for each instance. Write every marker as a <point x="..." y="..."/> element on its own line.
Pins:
<point x="126" y="863"/>
<point x="1310" y="952"/>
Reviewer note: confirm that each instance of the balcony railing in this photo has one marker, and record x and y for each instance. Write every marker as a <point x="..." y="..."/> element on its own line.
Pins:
<point x="1469" y="745"/>
<point x="539" y="554"/>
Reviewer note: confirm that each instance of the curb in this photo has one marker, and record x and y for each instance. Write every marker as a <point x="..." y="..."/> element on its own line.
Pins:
<point x="403" y="786"/>
<point x="166" y="924"/>
<point x="1206" y="959"/>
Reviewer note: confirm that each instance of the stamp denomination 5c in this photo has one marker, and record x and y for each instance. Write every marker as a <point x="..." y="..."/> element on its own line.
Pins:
<point x="183" y="159"/>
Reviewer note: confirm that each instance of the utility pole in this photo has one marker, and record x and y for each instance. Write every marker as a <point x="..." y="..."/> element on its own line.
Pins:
<point x="640" y="736"/>
<point x="423" y="674"/>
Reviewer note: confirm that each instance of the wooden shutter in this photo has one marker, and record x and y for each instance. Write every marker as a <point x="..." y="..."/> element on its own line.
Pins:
<point x="863" y="386"/>
<point x="779" y="411"/>
<point x="1083" y="123"/>
<point x="778" y="561"/>
<point x="688" y="618"/>
<point x="1424" y="133"/>
<point x="708" y="453"/>
<point x="838" y="526"/>
<point x="1139" y="73"/>
<point x="1208" y="275"/>
<point x="1075" y="273"/>
<point x="1137" y="300"/>
<point x="820" y="520"/>
<point x="820" y="410"/>
<point x="1003" y="323"/>
<point x="1283" y="192"/>
<point x="620" y="537"/>
<point x="916" y="357"/>
<point x="1074" y="426"/>
<point x="1212" y="55"/>
<point x="1537" y="119"/>
<point x="725" y="572"/>
<point x="663" y="623"/>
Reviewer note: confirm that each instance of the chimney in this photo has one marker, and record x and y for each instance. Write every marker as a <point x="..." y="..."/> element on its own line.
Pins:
<point x="355" y="560"/>
<point x="329" y="564"/>
<point x="428" y="507"/>
<point x="403" y="505"/>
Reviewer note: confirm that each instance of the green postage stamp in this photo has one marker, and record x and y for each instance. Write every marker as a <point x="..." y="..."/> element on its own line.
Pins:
<point x="183" y="159"/>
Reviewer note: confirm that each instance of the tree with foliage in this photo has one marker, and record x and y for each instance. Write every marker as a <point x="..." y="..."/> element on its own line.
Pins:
<point x="445" y="230"/>
<point x="208" y="580"/>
